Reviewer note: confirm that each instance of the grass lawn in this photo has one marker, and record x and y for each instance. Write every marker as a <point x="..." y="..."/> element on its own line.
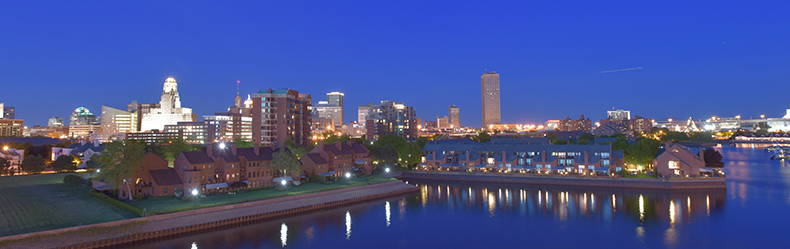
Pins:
<point x="32" y="203"/>
<point x="172" y="204"/>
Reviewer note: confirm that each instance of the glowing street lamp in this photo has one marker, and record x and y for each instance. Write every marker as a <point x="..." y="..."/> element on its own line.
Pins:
<point x="222" y="146"/>
<point x="194" y="196"/>
<point x="387" y="170"/>
<point x="348" y="178"/>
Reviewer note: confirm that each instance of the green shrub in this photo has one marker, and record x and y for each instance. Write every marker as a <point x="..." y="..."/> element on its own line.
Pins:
<point x="116" y="203"/>
<point x="73" y="180"/>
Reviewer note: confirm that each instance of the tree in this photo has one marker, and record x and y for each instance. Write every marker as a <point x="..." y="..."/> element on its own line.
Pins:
<point x="5" y="166"/>
<point x="620" y="144"/>
<point x="713" y="158"/>
<point x="762" y="126"/>
<point x="674" y="136"/>
<point x="559" y="141"/>
<point x="64" y="163"/>
<point x="170" y="149"/>
<point x="33" y="164"/>
<point x="411" y="154"/>
<point x="642" y="152"/>
<point x="386" y="154"/>
<point x="242" y="143"/>
<point x="483" y="137"/>
<point x="586" y="138"/>
<point x="120" y="160"/>
<point x="285" y="161"/>
<point x="93" y="162"/>
<point x="296" y="149"/>
<point x="701" y="137"/>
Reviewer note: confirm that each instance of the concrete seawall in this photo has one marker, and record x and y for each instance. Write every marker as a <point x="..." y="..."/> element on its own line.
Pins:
<point x="110" y="234"/>
<point x="575" y="181"/>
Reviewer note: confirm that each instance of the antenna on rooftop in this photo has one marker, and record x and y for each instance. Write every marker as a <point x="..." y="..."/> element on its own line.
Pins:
<point x="237" y="87"/>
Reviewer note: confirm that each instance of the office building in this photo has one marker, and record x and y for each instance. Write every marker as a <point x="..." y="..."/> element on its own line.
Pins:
<point x="169" y="111"/>
<point x="82" y="116"/>
<point x="118" y="121"/>
<point x="280" y="114"/>
<point x="193" y="132"/>
<point x="336" y="99"/>
<point x="442" y="123"/>
<point x="7" y="112"/>
<point x="11" y="127"/>
<point x="393" y="118"/>
<point x="327" y="110"/>
<point x="227" y="127"/>
<point x="490" y="97"/>
<point x="618" y="115"/>
<point x="83" y="131"/>
<point x="362" y="113"/>
<point x="55" y="122"/>
<point x="455" y="117"/>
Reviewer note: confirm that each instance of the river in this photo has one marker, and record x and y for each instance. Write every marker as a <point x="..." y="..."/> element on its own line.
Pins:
<point x="753" y="212"/>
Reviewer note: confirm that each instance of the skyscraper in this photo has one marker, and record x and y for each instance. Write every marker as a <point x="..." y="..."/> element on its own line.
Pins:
<point x="455" y="116"/>
<point x="391" y="118"/>
<point x="169" y="111"/>
<point x="118" y="121"/>
<point x="490" y="97"/>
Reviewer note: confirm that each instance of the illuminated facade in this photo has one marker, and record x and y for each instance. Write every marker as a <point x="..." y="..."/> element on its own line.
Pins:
<point x="192" y="132"/>
<point x="169" y="111"/>
<point x="490" y="97"/>
<point x="580" y="124"/>
<point x="82" y="116"/>
<point x="118" y="121"/>
<point x="83" y="131"/>
<point x="11" y="127"/>
<point x="362" y="113"/>
<point x="455" y="116"/>
<point x="7" y="112"/>
<point x="280" y="114"/>
<point x="227" y="127"/>
<point x="55" y="122"/>
<point x="327" y="110"/>
<point x="336" y="99"/>
<point x="393" y="118"/>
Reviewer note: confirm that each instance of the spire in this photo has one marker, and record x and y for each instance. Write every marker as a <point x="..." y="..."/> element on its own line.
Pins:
<point x="237" y="100"/>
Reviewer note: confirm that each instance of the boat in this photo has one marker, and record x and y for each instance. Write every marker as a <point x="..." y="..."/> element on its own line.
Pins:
<point x="780" y="155"/>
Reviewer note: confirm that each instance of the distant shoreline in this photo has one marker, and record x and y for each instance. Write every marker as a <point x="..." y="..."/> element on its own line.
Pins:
<point x="573" y="181"/>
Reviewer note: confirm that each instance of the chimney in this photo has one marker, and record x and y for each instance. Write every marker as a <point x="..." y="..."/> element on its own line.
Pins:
<point x="256" y="148"/>
<point x="82" y="142"/>
<point x="233" y="149"/>
<point x="95" y="143"/>
<point x="339" y="145"/>
<point x="210" y="151"/>
<point x="702" y="156"/>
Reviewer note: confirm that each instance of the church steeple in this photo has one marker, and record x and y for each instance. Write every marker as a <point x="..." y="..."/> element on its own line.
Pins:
<point x="237" y="100"/>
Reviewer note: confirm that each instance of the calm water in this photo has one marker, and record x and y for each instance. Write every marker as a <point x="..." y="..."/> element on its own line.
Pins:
<point x="754" y="212"/>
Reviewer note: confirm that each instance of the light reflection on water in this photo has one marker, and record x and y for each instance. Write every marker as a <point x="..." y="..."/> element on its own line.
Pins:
<point x="448" y="214"/>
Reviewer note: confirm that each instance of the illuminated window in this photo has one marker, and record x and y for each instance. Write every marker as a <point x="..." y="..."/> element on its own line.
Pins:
<point x="673" y="165"/>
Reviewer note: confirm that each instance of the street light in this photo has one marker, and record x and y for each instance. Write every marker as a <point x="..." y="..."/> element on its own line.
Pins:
<point x="222" y="146"/>
<point x="348" y="178"/>
<point x="387" y="170"/>
<point x="194" y="196"/>
<point x="283" y="182"/>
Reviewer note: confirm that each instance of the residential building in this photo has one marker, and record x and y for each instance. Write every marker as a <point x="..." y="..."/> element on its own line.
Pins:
<point x="490" y="98"/>
<point x="169" y="111"/>
<point x="391" y="117"/>
<point x="14" y="157"/>
<point x="353" y="129"/>
<point x="227" y="127"/>
<point x="106" y="137"/>
<point x="675" y="160"/>
<point x="516" y="155"/>
<point x="256" y="166"/>
<point x="628" y="127"/>
<point x="455" y="116"/>
<point x="11" y="127"/>
<point x="82" y="116"/>
<point x="580" y="124"/>
<point x="337" y="159"/>
<point x="281" y="114"/>
<point x="118" y="121"/>
<point x="55" y="122"/>
<point x="212" y="170"/>
<point x="83" y="150"/>
<point x="321" y="125"/>
<point x="429" y="125"/>
<point x="153" y="178"/>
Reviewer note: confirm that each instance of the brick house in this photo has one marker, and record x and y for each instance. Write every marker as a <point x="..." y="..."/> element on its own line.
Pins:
<point x="674" y="160"/>
<point x="337" y="159"/>
<point x="256" y="168"/>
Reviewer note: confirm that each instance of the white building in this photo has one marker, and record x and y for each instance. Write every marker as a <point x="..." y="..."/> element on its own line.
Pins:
<point x="169" y="112"/>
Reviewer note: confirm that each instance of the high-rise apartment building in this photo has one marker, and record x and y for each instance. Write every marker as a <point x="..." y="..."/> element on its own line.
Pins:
<point x="280" y="114"/>
<point x="391" y="117"/>
<point x="490" y="97"/>
<point x="11" y="127"/>
<point x="580" y="124"/>
<point x="117" y="121"/>
<point x="455" y="117"/>
<point x="618" y="115"/>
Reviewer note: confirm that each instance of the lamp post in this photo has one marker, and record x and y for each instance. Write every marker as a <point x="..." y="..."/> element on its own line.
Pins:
<point x="194" y="196"/>
<point x="387" y="170"/>
<point x="348" y="178"/>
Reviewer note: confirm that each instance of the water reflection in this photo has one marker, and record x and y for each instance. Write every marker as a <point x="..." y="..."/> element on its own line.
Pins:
<point x="284" y="234"/>
<point x="644" y="206"/>
<point x="387" y="212"/>
<point x="348" y="225"/>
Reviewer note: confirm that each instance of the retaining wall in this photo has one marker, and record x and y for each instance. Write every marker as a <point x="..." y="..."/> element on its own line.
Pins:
<point x="602" y="182"/>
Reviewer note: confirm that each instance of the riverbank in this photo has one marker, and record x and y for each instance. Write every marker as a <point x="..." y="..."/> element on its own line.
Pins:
<point x="194" y="221"/>
<point x="574" y="181"/>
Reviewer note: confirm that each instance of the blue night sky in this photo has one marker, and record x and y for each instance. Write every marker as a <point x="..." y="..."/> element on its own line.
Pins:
<point x="699" y="59"/>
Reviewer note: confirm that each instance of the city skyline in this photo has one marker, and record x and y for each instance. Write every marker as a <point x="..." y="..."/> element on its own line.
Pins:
<point x="667" y="62"/>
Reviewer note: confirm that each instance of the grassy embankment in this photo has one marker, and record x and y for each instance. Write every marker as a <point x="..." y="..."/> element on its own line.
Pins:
<point x="33" y="203"/>
<point x="163" y="205"/>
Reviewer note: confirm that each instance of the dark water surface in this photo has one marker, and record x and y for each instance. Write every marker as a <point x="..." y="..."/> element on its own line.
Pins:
<point x="754" y="212"/>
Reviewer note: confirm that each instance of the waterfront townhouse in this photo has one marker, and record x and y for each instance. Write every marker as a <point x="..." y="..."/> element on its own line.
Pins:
<point x="198" y="170"/>
<point x="337" y="159"/>
<point x="674" y="160"/>
<point x="256" y="168"/>
<point x="521" y="156"/>
<point x="153" y="178"/>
